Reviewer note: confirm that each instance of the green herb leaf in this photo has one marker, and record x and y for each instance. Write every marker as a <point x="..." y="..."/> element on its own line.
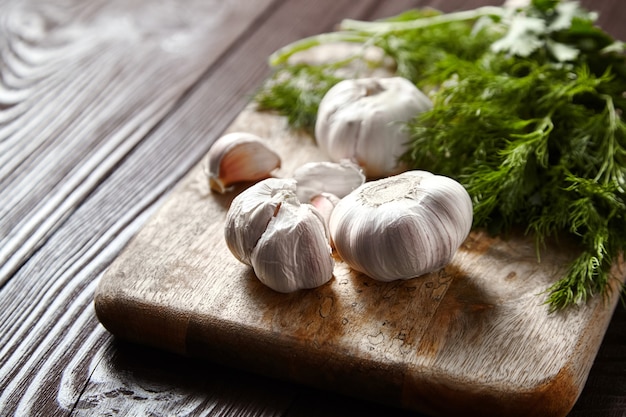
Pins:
<point x="296" y="93"/>
<point x="528" y="115"/>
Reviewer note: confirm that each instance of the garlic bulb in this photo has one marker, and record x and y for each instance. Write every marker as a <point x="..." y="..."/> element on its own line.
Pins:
<point x="335" y="178"/>
<point x="365" y="120"/>
<point x="403" y="226"/>
<point x="285" y="242"/>
<point x="238" y="157"/>
<point x="251" y="211"/>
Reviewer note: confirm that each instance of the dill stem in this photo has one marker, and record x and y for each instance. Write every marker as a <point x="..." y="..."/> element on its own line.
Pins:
<point x="357" y="31"/>
<point x="283" y="54"/>
<point x="385" y="27"/>
<point x="607" y="170"/>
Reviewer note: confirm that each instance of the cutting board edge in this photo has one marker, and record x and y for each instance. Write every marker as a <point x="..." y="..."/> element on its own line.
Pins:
<point x="415" y="391"/>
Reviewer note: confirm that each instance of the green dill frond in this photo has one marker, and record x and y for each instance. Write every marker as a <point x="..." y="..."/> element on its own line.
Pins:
<point x="584" y="279"/>
<point x="537" y="145"/>
<point x="533" y="127"/>
<point x="430" y="56"/>
<point x="295" y="92"/>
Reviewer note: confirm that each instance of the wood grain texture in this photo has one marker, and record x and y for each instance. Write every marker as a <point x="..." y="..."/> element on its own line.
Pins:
<point x="88" y="152"/>
<point x="61" y="95"/>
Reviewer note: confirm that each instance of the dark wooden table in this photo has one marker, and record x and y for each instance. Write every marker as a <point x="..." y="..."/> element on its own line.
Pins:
<point x="104" y="106"/>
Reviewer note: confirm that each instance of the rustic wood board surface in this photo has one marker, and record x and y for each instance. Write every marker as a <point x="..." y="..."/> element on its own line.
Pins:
<point x="104" y="107"/>
<point x="474" y="337"/>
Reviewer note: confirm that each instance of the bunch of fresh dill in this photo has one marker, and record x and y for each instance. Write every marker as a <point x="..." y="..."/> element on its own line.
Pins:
<point x="528" y="115"/>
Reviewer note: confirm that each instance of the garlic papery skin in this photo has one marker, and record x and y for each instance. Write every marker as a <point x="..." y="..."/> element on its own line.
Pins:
<point x="294" y="251"/>
<point x="402" y="226"/>
<point x="251" y="211"/>
<point x="338" y="178"/>
<point x="285" y="242"/>
<point x="365" y="119"/>
<point x="239" y="157"/>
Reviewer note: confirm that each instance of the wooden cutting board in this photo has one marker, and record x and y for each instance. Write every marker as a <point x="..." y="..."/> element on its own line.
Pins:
<point x="475" y="338"/>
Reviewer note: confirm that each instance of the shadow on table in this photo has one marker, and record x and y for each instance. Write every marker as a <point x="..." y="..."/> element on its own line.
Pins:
<point x="161" y="383"/>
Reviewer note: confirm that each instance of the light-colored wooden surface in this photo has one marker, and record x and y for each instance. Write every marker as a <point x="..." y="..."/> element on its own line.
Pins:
<point x="104" y="106"/>
<point x="474" y="337"/>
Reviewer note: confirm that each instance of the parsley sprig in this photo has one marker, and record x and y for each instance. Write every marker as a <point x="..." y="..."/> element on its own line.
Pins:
<point x="528" y="115"/>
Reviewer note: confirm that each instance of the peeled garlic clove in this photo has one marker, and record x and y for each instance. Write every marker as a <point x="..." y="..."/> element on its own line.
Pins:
<point x="364" y="120"/>
<point x="238" y="157"/>
<point x="251" y="211"/>
<point x="294" y="252"/>
<point x="285" y="242"/>
<point x="403" y="226"/>
<point x="338" y="178"/>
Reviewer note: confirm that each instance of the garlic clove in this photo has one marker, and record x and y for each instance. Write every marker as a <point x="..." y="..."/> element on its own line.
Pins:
<point x="325" y="204"/>
<point x="238" y="157"/>
<point x="251" y="211"/>
<point x="364" y="120"/>
<point x="294" y="252"/>
<point x="285" y="242"/>
<point x="338" y="178"/>
<point x="403" y="226"/>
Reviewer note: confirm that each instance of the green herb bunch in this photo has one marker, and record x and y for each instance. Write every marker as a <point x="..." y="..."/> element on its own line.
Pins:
<point x="528" y="115"/>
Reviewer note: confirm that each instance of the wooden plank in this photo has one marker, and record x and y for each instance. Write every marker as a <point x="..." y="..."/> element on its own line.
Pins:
<point x="475" y="337"/>
<point x="86" y="83"/>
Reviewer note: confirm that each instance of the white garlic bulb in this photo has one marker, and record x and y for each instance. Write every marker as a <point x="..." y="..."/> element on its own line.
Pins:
<point x="251" y="211"/>
<point x="238" y="157"/>
<point x="337" y="178"/>
<point x="285" y="242"/>
<point x="402" y="226"/>
<point x="364" y="120"/>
